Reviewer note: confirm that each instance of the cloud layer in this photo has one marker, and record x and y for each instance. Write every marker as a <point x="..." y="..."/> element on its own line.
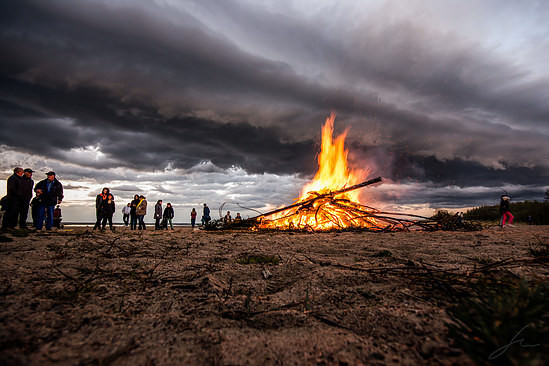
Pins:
<point x="433" y="95"/>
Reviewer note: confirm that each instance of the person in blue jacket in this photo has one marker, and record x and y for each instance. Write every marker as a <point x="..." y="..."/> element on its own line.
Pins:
<point x="52" y="191"/>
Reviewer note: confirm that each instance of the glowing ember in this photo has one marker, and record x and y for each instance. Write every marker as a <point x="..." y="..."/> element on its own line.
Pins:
<point x="325" y="203"/>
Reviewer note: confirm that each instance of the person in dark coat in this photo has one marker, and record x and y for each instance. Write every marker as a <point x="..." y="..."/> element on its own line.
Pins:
<point x="206" y="215"/>
<point x="25" y="196"/>
<point x="133" y="214"/>
<point x="53" y="194"/>
<point x="98" y="204"/>
<point x="168" y="215"/>
<point x="107" y="211"/>
<point x="13" y="199"/>
<point x="157" y="214"/>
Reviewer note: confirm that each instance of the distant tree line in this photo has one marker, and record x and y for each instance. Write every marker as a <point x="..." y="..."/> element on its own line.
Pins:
<point x="537" y="211"/>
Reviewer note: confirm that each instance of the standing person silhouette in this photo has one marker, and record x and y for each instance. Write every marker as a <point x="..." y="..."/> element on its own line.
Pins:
<point x="193" y="217"/>
<point x="107" y="210"/>
<point x="133" y="214"/>
<point x="505" y="211"/>
<point x="12" y="201"/>
<point x="52" y="190"/>
<point x="168" y="216"/>
<point x="206" y="215"/>
<point x="126" y="214"/>
<point x="157" y="214"/>
<point x="27" y="185"/>
<point x="141" y="211"/>
<point x="99" y="199"/>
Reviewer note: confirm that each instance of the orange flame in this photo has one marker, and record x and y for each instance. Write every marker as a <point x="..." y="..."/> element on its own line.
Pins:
<point x="333" y="174"/>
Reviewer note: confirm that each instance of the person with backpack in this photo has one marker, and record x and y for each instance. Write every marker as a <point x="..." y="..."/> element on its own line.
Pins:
<point x="141" y="211"/>
<point x="504" y="209"/>
<point x="168" y="216"/>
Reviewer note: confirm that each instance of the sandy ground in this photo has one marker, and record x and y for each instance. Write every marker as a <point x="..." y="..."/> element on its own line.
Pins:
<point x="78" y="297"/>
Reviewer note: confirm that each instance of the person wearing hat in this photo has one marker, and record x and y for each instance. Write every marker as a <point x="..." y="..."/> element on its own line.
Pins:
<point x="25" y="196"/>
<point x="53" y="194"/>
<point x="12" y="201"/>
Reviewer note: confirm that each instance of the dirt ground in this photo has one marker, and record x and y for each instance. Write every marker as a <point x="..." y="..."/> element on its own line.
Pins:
<point x="184" y="297"/>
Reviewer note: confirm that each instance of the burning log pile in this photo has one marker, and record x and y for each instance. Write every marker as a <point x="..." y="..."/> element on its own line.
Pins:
<point x="330" y="202"/>
<point x="330" y="212"/>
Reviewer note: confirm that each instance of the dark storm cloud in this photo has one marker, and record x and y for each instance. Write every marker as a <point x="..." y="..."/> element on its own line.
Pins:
<point x="146" y="140"/>
<point x="154" y="86"/>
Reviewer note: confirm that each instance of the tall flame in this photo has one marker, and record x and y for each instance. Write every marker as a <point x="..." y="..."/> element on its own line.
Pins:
<point x="333" y="172"/>
<point x="318" y="208"/>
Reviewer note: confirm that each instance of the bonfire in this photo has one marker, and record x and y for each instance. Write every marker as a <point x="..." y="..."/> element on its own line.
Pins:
<point x="331" y="200"/>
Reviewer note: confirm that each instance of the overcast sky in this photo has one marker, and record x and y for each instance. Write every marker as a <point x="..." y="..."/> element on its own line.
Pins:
<point x="223" y="101"/>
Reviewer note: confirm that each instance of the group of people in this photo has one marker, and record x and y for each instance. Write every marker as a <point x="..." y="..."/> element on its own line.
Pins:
<point x="133" y="214"/>
<point x="105" y="209"/>
<point x="49" y="193"/>
<point x="228" y="220"/>
<point x="20" y="187"/>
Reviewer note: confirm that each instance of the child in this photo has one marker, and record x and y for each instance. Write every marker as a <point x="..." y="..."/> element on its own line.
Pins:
<point x="57" y="217"/>
<point x="36" y="202"/>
